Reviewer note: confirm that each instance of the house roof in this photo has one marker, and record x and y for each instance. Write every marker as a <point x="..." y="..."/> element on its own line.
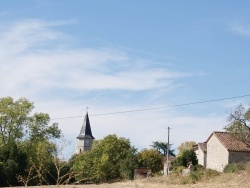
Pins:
<point x="230" y="142"/>
<point x="202" y="146"/>
<point x="86" y="129"/>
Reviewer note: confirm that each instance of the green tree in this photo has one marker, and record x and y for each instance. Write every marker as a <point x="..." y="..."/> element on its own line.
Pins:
<point x="14" y="117"/>
<point x="239" y="123"/>
<point x="186" y="157"/>
<point x="21" y="133"/>
<point x="151" y="159"/>
<point x="162" y="148"/>
<point x="110" y="158"/>
<point x="39" y="128"/>
<point x="187" y="145"/>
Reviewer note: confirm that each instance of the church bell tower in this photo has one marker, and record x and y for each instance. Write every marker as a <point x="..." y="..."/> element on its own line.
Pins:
<point x="85" y="138"/>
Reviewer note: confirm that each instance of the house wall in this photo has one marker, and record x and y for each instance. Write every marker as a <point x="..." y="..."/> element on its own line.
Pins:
<point x="217" y="154"/>
<point x="236" y="157"/>
<point x="201" y="156"/>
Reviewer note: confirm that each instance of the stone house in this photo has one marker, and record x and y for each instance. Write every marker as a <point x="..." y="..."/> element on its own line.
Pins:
<point x="223" y="148"/>
<point x="201" y="153"/>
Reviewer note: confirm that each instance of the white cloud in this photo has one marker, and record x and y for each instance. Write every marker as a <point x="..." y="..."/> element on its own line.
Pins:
<point x="33" y="60"/>
<point x="240" y="28"/>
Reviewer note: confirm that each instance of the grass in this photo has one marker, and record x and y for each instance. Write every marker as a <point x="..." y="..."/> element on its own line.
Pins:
<point x="196" y="179"/>
<point x="224" y="180"/>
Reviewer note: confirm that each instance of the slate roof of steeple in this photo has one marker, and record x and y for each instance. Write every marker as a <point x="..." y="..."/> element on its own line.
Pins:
<point x="86" y="129"/>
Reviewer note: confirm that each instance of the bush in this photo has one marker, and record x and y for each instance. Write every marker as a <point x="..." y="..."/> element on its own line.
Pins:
<point x="195" y="176"/>
<point x="186" y="157"/>
<point x="209" y="173"/>
<point x="199" y="167"/>
<point x="178" y="170"/>
<point x="234" y="167"/>
<point x="247" y="167"/>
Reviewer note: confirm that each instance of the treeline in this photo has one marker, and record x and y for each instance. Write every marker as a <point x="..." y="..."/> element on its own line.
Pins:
<point x="29" y="155"/>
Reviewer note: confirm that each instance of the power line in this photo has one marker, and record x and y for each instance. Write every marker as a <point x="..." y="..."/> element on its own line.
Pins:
<point x="157" y="108"/>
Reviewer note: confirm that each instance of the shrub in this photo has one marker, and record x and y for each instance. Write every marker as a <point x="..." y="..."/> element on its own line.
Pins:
<point x="234" y="167"/>
<point x="178" y="169"/>
<point x="247" y="167"/>
<point x="199" y="167"/>
<point x="209" y="173"/>
<point x="195" y="176"/>
<point x="186" y="157"/>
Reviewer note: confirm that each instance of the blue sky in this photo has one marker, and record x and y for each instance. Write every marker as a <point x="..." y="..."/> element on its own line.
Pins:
<point x="114" y="56"/>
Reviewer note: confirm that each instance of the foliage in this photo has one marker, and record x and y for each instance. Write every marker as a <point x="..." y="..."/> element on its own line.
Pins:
<point x="195" y="176"/>
<point x="61" y="171"/>
<point x="151" y="159"/>
<point x="239" y="123"/>
<point x="21" y="133"/>
<point x="199" y="167"/>
<point x="199" y="175"/>
<point x="162" y="148"/>
<point x="111" y="158"/>
<point x="187" y="145"/>
<point x="183" y="160"/>
<point x="14" y="117"/>
<point x="178" y="169"/>
<point x="234" y="167"/>
<point x="210" y="173"/>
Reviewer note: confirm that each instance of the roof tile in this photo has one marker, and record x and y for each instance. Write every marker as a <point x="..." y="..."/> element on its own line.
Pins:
<point x="231" y="143"/>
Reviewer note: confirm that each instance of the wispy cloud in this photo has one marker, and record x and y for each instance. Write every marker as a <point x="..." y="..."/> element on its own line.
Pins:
<point x="241" y="28"/>
<point x="33" y="60"/>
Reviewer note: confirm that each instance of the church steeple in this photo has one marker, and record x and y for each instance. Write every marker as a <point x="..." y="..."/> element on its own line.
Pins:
<point x="86" y="129"/>
<point x="85" y="137"/>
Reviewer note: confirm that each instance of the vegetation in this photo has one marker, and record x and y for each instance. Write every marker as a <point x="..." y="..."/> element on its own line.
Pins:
<point x="29" y="155"/>
<point x="111" y="158"/>
<point x="26" y="147"/>
<point x="183" y="160"/>
<point x="239" y="123"/>
<point x="151" y="159"/>
<point x="188" y="145"/>
<point x="162" y="148"/>
<point x="237" y="167"/>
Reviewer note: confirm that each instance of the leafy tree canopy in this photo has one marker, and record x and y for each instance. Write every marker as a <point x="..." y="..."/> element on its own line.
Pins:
<point x="150" y="158"/>
<point x="187" y="145"/>
<point x="186" y="157"/>
<point x="25" y="145"/>
<point x="162" y="148"/>
<point x="239" y="123"/>
<point x="110" y="158"/>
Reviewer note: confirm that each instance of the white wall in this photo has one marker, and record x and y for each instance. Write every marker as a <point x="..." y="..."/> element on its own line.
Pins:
<point x="201" y="156"/>
<point x="217" y="154"/>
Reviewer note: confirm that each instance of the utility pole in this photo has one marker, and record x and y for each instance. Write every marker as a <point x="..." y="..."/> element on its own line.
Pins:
<point x="168" y="153"/>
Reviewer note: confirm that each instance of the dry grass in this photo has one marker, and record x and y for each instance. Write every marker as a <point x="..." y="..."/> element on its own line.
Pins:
<point x="239" y="180"/>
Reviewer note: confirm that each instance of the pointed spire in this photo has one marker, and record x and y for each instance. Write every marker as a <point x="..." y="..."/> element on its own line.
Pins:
<point x="86" y="129"/>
